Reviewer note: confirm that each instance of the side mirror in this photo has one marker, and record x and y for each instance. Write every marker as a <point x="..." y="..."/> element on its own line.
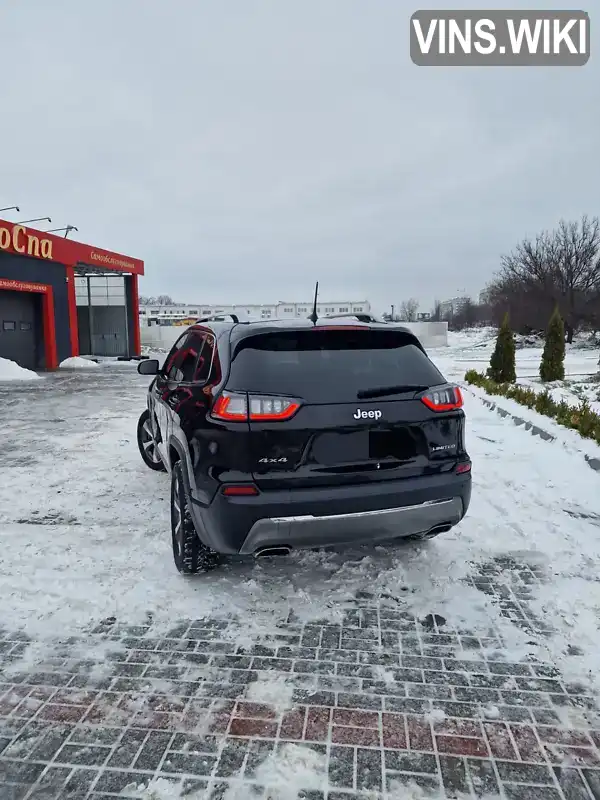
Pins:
<point x="149" y="366"/>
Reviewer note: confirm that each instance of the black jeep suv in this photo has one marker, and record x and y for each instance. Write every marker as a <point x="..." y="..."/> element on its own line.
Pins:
<point x="291" y="434"/>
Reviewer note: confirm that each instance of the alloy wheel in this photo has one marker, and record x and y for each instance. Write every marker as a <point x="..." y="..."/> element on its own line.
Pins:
<point x="177" y="519"/>
<point x="149" y="442"/>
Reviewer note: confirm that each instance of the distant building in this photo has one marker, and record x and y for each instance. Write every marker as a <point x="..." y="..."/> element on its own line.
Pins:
<point x="450" y="308"/>
<point x="485" y="297"/>
<point x="180" y="313"/>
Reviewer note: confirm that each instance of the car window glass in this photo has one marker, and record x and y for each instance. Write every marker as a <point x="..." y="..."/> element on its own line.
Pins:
<point x="182" y="365"/>
<point x="204" y="364"/>
<point x="191" y="355"/>
<point x="170" y="359"/>
<point x="331" y="365"/>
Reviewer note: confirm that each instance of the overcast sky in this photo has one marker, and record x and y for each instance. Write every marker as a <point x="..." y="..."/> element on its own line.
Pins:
<point x="246" y="148"/>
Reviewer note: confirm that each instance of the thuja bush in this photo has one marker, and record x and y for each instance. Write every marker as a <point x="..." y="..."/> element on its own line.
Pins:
<point x="552" y="366"/>
<point x="544" y="404"/>
<point x="588" y="422"/>
<point x="502" y="363"/>
<point x="472" y="376"/>
<point x="521" y="394"/>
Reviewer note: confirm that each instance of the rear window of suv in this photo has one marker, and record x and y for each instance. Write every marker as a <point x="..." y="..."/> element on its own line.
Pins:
<point x="329" y="366"/>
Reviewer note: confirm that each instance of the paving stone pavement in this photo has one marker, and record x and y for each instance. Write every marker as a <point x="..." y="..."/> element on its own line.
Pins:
<point x="364" y="708"/>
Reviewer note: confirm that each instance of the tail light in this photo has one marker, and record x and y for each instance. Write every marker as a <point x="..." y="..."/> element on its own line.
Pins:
<point x="231" y="407"/>
<point x="243" y="490"/>
<point x="443" y="398"/>
<point x="237" y="407"/>
<point x="461" y="469"/>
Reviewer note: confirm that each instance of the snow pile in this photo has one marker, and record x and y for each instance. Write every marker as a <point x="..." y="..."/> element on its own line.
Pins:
<point x="39" y="655"/>
<point x="490" y="711"/>
<point x="569" y="439"/>
<point x="586" y="341"/>
<point x="572" y="601"/>
<point x="531" y="340"/>
<point x="113" y="361"/>
<point x="11" y="371"/>
<point x="436" y="715"/>
<point x="285" y="774"/>
<point x="276" y="691"/>
<point x="288" y="770"/>
<point x="399" y="790"/>
<point x="472" y="338"/>
<point x="77" y="362"/>
<point x="158" y="789"/>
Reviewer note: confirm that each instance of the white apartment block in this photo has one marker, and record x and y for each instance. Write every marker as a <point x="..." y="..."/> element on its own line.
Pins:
<point x="169" y="315"/>
<point x="450" y="308"/>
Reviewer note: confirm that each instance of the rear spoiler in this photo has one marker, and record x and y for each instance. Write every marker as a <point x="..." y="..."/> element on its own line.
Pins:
<point x="382" y="328"/>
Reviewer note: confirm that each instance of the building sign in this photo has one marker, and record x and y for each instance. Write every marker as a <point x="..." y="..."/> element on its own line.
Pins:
<point x="18" y="240"/>
<point x="23" y="286"/>
<point x="112" y="261"/>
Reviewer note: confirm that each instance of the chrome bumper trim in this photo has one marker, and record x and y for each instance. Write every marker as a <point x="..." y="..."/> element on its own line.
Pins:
<point x="363" y="527"/>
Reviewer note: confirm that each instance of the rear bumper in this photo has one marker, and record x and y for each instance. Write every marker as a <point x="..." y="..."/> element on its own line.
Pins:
<point x="329" y="516"/>
<point x="338" y="529"/>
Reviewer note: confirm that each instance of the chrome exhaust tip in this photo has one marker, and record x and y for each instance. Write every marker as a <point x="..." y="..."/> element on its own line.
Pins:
<point x="280" y="550"/>
<point x="438" y="529"/>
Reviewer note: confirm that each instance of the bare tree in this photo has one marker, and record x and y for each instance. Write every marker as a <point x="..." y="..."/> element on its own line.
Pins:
<point x="408" y="310"/>
<point x="164" y="300"/>
<point x="436" y="314"/>
<point x="578" y="268"/>
<point x="467" y="316"/>
<point x="526" y="304"/>
<point x="561" y="268"/>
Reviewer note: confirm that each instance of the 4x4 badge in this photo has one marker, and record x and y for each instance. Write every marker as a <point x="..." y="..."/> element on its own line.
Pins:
<point x="366" y="414"/>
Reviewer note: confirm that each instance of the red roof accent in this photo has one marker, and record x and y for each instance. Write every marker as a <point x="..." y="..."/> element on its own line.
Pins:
<point x="22" y="240"/>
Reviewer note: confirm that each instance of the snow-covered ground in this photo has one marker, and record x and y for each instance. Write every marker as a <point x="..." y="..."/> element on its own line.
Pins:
<point x="85" y="535"/>
<point x="573" y="390"/>
<point x="11" y="371"/>
<point x="86" y="525"/>
<point x="473" y="349"/>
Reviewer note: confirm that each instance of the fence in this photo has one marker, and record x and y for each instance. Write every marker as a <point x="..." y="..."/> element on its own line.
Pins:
<point x="431" y="334"/>
<point x="162" y="337"/>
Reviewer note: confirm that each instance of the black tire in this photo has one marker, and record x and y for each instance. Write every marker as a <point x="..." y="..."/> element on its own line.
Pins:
<point x="147" y="443"/>
<point x="189" y="553"/>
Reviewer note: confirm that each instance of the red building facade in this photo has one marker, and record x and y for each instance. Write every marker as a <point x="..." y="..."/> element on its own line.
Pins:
<point x="44" y="319"/>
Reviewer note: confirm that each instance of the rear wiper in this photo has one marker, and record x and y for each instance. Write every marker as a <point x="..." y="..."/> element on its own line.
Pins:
<point x="381" y="391"/>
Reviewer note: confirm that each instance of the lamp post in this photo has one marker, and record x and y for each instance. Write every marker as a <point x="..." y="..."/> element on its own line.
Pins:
<point x="11" y="208"/>
<point x="39" y="219"/>
<point x="67" y="230"/>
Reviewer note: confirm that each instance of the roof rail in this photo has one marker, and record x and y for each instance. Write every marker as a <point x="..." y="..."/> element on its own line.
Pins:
<point x="358" y="316"/>
<point x="219" y="318"/>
